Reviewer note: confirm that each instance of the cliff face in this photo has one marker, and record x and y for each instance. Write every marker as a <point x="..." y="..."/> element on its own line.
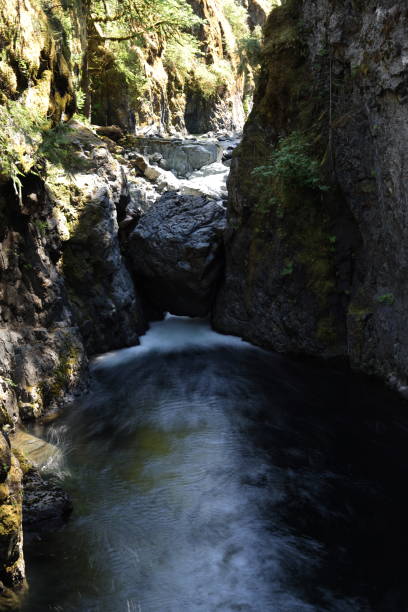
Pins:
<point x="172" y="94"/>
<point x="32" y="60"/>
<point x="310" y="269"/>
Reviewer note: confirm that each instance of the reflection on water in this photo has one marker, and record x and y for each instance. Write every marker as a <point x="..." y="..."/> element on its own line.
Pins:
<point x="211" y="476"/>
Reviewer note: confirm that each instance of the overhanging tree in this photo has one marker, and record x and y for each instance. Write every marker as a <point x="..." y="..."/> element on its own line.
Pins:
<point x="144" y="23"/>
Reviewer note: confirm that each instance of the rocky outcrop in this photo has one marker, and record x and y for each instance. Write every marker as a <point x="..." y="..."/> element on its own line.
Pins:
<point x="102" y="295"/>
<point x="12" y="570"/>
<point x="309" y="269"/>
<point x="41" y="351"/>
<point x="65" y="292"/>
<point x="176" y="253"/>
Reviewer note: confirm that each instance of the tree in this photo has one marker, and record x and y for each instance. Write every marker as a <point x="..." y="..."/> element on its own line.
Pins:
<point x="144" y="23"/>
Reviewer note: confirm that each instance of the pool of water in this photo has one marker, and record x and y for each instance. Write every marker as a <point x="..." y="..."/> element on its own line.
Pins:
<point x="208" y="475"/>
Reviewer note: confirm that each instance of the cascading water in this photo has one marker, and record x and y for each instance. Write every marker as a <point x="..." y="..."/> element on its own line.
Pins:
<point x="208" y="475"/>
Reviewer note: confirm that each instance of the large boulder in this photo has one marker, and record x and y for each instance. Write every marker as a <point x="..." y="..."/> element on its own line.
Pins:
<point x="177" y="253"/>
<point x="209" y="181"/>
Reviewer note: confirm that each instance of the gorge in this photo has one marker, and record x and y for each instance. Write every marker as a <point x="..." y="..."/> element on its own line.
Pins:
<point x="247" y="450"/>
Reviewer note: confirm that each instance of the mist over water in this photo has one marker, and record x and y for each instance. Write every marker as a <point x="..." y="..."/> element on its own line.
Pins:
<point x="208" y="475"/>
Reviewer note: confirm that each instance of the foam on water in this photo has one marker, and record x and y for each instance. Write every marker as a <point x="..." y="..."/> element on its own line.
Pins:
<point x="172" y="334"/>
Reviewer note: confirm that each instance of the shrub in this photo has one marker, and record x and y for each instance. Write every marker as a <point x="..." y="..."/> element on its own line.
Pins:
<point x="20" y="136"/>
<point x="249" y="49"/>
<point x="293" y="162"/>
<point x="182" y="56"/>
<point x="209" y="78"/>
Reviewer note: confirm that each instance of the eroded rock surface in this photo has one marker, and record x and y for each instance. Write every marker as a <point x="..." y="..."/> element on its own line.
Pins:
<point x="182" y="156"/>
<point x="176" y="253"/>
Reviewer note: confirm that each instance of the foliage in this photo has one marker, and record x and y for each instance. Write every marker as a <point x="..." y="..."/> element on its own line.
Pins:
<point x="181" y="56"/>
<point x="386" y="298"/>
<point x="185" y="58"/>
<point x="134" y="19"/>
<point x="128" y="63"/>
<point x="26" y="139"/>
<point x="130" y="33"/>
<point x="20" y="136"/>
<point x="249" y="49"/>
<point x="237" y="17"/>
<point x="209" y="78"/>
<point x="80" y="99"/>
<point x="293" y="163"/>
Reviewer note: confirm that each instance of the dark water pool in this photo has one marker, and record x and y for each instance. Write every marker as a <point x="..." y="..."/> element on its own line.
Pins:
<point x="210" y="476"/>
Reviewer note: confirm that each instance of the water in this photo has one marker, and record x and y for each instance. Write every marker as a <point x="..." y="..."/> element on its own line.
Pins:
<point x="209" y="476"/>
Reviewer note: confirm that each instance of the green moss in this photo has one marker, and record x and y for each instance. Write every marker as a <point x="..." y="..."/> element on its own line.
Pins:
<point x="326" y="331"/>
<point x="288" y="269"/>
<point x="10" y="519"/>
<point x="358" y="312"/>
<point x="67" y="366"/>
<point x="25" y="464"/>
<point x="386" y="298"/>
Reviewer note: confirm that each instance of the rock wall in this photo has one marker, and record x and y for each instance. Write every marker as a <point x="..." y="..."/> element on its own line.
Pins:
<point x="311" y="270"/>
<point x="65" y="290"/>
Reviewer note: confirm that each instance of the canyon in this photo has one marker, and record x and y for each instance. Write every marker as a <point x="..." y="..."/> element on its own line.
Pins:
<point x="125" y="196"/>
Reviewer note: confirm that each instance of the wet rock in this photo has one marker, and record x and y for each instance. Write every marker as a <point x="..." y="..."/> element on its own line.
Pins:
<point x="177" y="254"/>
<point x="37" y="451"/>
<point x="46" y="506"/>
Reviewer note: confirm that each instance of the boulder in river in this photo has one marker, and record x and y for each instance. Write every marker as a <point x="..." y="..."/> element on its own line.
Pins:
<point x="176" y="252"/>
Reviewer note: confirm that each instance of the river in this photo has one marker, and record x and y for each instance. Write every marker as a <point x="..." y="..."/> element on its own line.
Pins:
<point x="208" y="475"/>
